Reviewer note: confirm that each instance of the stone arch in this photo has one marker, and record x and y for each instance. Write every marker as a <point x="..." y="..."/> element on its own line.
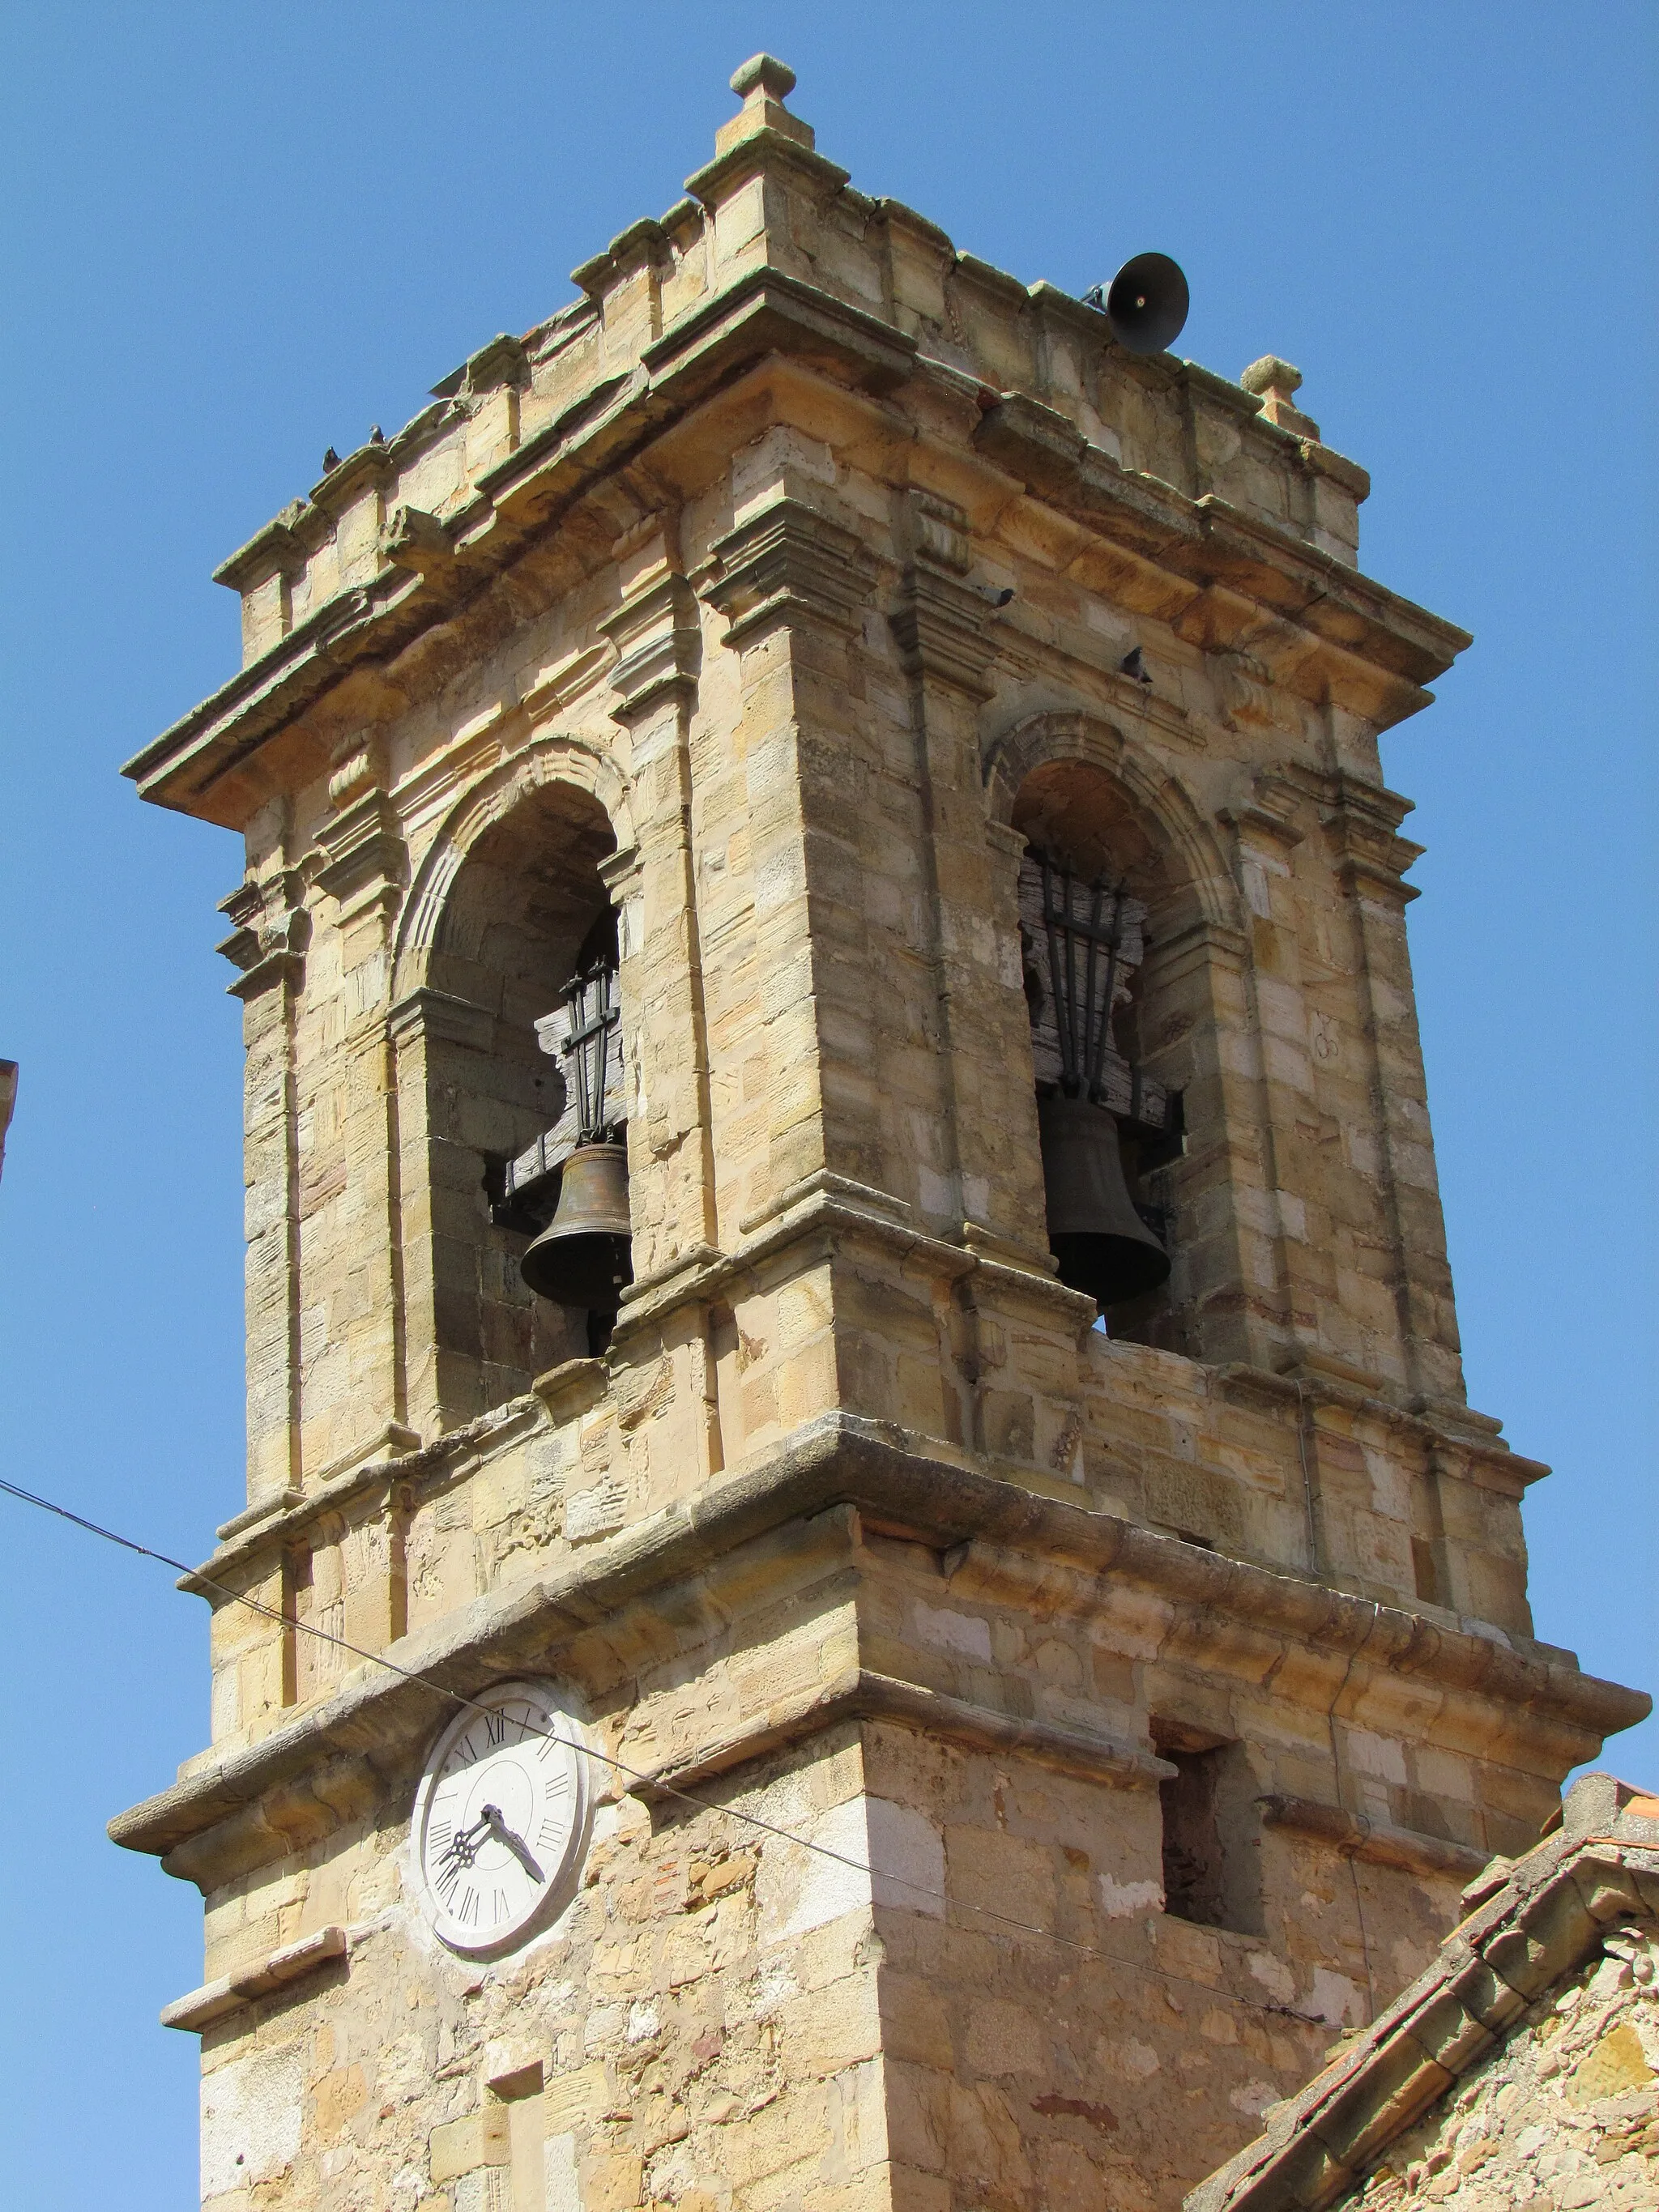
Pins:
<point x="1072" y="783"/>
<point x="555" y="758"/>
<point x="1193" y="858"/>
<point x="501" y="904"/>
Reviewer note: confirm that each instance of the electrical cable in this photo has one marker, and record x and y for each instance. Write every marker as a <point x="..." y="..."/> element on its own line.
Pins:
<point x="636" y="1774"/>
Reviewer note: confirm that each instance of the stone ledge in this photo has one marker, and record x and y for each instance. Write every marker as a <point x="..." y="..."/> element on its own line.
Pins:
<point x="1487" y="1459"/>
<point x="1377" y="1841"/>
<point x="870" y="1697"/>
<point x="381" y="1715"/>
<point x="254" y="1532"/>
<point x="199" y="2009"/>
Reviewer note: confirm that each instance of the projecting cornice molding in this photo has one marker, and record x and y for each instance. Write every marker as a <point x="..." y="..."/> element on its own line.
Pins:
<point x="382" y="1718"/>
<point x="788" y="563"/>
<point x="1333" y="632"/>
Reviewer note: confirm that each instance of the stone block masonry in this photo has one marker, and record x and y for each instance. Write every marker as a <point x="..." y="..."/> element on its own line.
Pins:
<point x="1149" y="1694"/>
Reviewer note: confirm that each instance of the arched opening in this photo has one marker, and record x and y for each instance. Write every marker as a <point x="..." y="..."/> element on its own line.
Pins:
<point x="1098" y="903"/>
<point x="523" y="907"/>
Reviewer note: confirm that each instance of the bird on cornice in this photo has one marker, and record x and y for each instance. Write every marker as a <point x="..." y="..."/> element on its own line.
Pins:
<point x="330" y="460"/>
<point x="1133" y="665"/>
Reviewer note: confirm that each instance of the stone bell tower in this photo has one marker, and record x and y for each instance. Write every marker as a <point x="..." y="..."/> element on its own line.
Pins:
<point x="937" y="742"/>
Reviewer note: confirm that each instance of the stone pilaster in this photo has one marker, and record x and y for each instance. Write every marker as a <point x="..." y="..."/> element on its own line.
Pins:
<point x="1266" y="831"/>
<point x="793" y="585"/>
<point x="670" y="1146"/>
<point x="440" y="1355"/>
<point x="362" y="868"/>
<point x="1362" y="825"/>
<point x="268" y="944"/>
<point x="944" y="629"/>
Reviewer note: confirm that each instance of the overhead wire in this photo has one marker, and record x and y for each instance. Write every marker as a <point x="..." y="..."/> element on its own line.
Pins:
<point x="661" y="1788"/>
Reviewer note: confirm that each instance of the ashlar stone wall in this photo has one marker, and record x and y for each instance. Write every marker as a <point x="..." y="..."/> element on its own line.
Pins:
<point x="774" y="593"/>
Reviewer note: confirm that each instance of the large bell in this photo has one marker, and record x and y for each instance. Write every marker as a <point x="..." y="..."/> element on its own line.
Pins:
<point x="581" y="1257"/>
<point x="1103" y="1245"/>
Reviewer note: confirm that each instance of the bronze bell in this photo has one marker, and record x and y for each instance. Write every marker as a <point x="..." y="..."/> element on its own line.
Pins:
<point x="581" y="1258"/>
<point x="1103" y="1245"/>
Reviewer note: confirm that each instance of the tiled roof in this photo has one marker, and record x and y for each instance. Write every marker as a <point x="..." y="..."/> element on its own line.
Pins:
<point x="1532" y="1922"/>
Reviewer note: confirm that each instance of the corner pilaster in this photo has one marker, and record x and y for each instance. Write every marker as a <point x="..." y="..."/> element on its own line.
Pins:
<point x="793" y="585"/>
<point x="658" y="638"/>
<point x="267" y="944"/>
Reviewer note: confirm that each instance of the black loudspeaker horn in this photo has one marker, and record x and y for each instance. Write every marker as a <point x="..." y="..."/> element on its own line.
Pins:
<point x="1146" y="303"/>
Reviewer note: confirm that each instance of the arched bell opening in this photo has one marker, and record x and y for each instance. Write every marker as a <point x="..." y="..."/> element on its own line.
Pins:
<point x="527" y="912"/>
<point x="1098" y="903"/>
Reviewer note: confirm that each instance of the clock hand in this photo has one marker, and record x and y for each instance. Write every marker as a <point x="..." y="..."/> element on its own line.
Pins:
<point x="463" y="1849"/>
<point x="520" y="1851"/>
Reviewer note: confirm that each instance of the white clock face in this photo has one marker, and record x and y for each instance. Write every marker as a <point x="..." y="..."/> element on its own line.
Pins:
<point x="501" y="1818"/>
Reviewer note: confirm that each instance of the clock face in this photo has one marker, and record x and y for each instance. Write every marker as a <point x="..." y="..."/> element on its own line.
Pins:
<point x="501" y="1818"/>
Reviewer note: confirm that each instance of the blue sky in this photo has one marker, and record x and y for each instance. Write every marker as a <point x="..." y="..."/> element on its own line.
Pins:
<point x="235" y="236"/>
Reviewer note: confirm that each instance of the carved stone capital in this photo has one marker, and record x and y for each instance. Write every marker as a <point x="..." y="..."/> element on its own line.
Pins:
<point x="789" y="565"/>
<point x="438" y="1017"/>
<point x="1268" y="816"/>
<point x="363" y="850"/>
<point x="659" y="643"/>
<point x="272" y="929"/>
<point x="941" y="626"/>
<point x="940" y="533"/>
<point x="1363" y="825"/>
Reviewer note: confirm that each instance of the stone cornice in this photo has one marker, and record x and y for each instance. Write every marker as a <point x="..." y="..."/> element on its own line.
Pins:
<point x="862" y="1695"/>
<point x="385" y="1716"/>
<point x="273" y="1521"/>
<point x="763" y="312"/>
<point x="1467" y="1438"/>
<point x="1355" y="1837"/>
<point x="1213" y="544"/>
<point x="293" y="1962"/>
<point x="1241" y="570"/>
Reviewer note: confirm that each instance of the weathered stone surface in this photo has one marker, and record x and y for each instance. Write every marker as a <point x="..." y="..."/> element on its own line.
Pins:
<point x="951" y="1668"/>
<point x="1560" y="2111"/>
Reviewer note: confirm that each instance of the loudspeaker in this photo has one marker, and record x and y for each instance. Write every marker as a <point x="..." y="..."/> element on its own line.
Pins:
<point x="1146" y="303"/>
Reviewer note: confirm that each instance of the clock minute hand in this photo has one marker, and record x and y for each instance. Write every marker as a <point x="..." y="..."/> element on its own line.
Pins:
<point x="515" y="1844"/>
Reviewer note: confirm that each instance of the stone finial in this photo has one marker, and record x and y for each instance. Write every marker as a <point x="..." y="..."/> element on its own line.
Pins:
<point x="1275" y="382"/>
<point x="762" y="84"/>
<point x="1271" y="375"/>
<point x="764" y="73"/>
